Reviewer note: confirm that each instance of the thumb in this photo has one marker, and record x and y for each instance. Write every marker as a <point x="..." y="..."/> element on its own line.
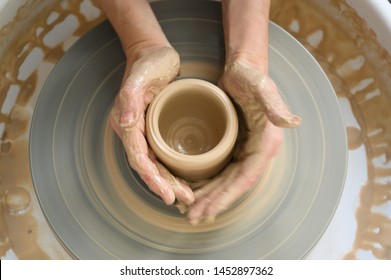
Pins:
<point x="274" y="106"/>
<point x="131" y="103"/>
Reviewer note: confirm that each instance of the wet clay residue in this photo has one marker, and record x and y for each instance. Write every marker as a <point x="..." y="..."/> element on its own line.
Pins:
<point x="21" y="227"/>
<point x="347" y="50"/>
<point x="359" y="70"/>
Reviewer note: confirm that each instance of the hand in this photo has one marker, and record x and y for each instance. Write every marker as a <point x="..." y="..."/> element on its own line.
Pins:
<point x="264" y="112"/>
<point x="148" y="75"/>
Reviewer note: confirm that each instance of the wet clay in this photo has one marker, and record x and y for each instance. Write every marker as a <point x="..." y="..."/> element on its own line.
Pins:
<point x="188" y="124"/>
<point x="358" y="67"/>
<point x="192" y="127"/>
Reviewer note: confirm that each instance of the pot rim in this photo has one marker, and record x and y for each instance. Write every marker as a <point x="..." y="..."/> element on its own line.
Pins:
<point x="217" y="153"/>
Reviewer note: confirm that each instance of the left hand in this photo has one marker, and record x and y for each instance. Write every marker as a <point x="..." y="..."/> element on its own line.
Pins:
<point x="153" y="70"/>
<point x="264" y="112"/>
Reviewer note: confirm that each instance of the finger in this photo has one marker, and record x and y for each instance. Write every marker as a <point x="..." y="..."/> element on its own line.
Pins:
<point x="182" y="207"/>
<point x="208" y="187"/>
<point x="231" y="189"/>
<point x="251" y="88"/>
<point x="245" y="174"/>
<point x="182" y="191"/>
<point x="207" y="194"/>
<point x="137" y="151"/>
<point x="151" y="176"/>
<point x="200" y="188"/>
<point x="241" y="181"/>
<point x="238" y="178"/>
<point x="204" y="196"/>
<point x="196" y="212"/>
<point x="199" y="212"/>
<point x="274" y="106"/>
<point x="114" y="118"/>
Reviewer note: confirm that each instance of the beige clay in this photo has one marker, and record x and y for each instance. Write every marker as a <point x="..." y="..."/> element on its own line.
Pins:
<point x="192" y="127"/>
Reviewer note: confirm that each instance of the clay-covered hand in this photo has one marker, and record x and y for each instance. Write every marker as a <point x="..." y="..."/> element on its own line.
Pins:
<point x="144" y="78"/>
<point x="264" y="112"/>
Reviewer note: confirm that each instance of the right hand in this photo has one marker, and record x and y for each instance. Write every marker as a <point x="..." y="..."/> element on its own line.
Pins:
<point x="151" y="71"/>
<point x="264" y="113"/>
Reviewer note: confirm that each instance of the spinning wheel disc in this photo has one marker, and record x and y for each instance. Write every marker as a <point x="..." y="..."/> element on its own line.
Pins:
<point x="100" y="209"/>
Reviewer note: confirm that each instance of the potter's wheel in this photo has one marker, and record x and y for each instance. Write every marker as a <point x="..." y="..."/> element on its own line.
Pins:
<point x="100" y="209"/>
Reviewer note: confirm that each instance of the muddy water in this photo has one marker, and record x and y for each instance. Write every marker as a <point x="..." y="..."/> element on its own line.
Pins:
<point x="360" y="71"/>
<point x="357" y="66"/>
<point x="21" y="223"/>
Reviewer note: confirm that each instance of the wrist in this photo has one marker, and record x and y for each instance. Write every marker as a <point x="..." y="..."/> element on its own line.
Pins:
<point x="136" y="26"/>
<point x="253" y="60"/>
<point x="135" y="51"/>
<point x="246" y="32"/>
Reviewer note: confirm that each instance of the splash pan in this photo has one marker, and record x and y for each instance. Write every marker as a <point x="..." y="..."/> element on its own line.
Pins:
<point x="99" y="208"/>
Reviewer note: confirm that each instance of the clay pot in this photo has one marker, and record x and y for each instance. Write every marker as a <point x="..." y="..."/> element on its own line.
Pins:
<point x="192" y="127"/>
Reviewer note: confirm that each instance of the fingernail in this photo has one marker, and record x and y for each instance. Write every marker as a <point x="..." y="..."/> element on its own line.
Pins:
<point x="290" y="121"/>
<point x="168" y="197"/>
<point x="190" y="198"/>
<point x="294" y="121"/>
